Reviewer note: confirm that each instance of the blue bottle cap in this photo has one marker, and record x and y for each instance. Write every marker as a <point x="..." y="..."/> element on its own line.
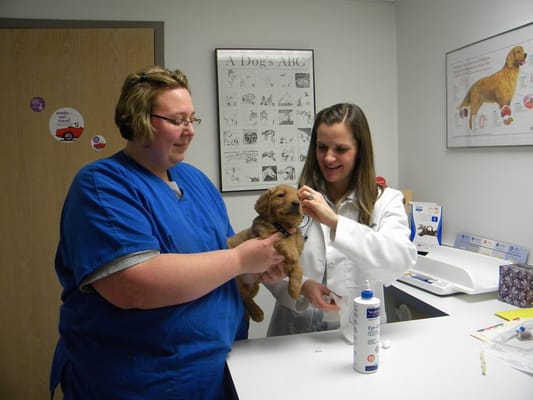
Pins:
<point x="367" y="293"/>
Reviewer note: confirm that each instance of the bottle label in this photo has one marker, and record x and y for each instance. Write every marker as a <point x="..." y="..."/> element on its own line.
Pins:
<point x="372" y="313"/>
<point x="373" y="333"/>
<point x="366" y="332"/>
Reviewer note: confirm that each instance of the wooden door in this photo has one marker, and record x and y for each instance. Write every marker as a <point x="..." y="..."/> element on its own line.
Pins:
<point x="80" y="69"/>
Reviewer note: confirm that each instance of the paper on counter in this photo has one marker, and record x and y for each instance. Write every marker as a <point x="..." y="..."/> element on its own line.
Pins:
<point x="521" y="313"/>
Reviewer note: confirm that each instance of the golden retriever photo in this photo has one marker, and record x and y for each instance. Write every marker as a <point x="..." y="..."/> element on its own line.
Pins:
<point x="278" y="209"/>
<point x="497" y="88"/>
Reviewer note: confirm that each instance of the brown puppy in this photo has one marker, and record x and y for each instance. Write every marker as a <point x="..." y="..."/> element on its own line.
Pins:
<point x="278" y="209"/>
<point x="496" y="88"/>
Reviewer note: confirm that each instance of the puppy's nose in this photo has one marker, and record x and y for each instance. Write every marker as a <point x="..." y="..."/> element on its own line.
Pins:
<point x="295" y="203"/>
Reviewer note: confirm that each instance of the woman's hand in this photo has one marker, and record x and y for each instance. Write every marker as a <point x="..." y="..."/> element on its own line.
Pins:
<point x="271" y="273"/>
<point x="316" y="294"/>
<point x="259" y="255"/>
<point x="314" y="205"/>
<point x="274" y="274"/>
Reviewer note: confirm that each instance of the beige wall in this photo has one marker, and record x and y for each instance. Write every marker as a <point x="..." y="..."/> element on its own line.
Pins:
<point x="388" y="57"/>
<point x="355" y="60"/>
<point x="484" y="191"/>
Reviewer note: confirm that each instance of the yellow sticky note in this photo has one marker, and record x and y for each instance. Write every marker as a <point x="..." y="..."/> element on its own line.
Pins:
<point x="521" y="313"/>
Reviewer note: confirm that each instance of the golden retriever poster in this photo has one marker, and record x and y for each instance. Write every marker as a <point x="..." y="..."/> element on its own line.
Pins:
<point x="489" y="87"/>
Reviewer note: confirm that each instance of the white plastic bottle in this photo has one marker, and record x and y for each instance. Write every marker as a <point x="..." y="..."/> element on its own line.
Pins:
<point x="366" y="320"/>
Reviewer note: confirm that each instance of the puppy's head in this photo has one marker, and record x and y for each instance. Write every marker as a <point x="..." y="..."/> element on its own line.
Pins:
<point x="280" y="204"/>
<point x="517" y="56"/>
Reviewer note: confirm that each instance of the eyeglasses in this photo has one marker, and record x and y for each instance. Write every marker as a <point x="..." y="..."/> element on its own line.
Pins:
<point x="180" y="122"/>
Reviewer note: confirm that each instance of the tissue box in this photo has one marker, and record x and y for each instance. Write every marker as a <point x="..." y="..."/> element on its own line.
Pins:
<point x="426" y="225"/>
<point x="516" y="284"/>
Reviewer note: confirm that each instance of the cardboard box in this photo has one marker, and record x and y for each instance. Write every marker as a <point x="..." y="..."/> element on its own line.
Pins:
<point x="426" y="225"/>
<point x="407" y="200"/>
<point x="516" y="284"/>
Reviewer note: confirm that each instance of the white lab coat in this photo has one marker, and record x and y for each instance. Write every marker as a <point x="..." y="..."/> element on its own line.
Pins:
<point x="380" y="253"/>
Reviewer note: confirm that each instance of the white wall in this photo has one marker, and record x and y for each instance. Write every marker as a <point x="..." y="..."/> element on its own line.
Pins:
<point x="355" y="61"/>
<point x="387" y="58"/>
<point x="485" y="191"/>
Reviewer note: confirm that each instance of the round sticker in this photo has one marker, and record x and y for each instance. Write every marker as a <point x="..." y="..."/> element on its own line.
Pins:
<point x="37" y="104"/>
<point x="66" y="125"/>
<point x="98" y="142"/>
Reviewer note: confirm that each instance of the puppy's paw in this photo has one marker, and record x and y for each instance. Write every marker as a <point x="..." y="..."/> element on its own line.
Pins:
<point x="291" y="254"/>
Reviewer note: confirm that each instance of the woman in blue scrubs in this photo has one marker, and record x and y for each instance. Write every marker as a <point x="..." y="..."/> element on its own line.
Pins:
<point x="150" y="307"/>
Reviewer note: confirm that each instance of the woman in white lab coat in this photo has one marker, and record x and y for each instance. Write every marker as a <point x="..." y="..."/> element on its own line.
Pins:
<point x="355" y="229"/>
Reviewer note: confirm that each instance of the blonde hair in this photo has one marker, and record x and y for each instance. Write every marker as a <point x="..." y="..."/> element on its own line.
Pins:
<point x="363" y="179"/>
<point x="137" y="98"/>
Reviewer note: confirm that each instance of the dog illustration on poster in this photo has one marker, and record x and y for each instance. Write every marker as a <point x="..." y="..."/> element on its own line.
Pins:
<point x="498" y="88"/>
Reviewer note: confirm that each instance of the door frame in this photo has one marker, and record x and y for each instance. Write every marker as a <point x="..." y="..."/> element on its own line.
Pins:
<point x="157" y="26"/>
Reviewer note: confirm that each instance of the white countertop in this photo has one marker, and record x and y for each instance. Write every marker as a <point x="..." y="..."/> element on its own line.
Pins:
<point x="433" y="358"/>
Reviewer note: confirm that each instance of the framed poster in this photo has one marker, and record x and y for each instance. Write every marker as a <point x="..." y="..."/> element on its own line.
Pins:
<point x="266" y="108"/>
<point x="489" y="91"/>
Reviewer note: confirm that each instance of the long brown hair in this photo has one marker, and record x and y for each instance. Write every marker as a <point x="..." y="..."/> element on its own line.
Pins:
<point x="363" y="180"/>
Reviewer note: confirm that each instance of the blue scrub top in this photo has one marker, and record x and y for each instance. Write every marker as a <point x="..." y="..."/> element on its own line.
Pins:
<point x="114" y="208"/>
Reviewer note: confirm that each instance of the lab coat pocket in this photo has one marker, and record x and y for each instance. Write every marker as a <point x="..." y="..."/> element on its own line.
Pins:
<point x="350" y="275"/>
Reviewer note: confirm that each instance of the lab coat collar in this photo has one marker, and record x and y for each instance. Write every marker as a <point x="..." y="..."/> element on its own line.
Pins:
<point x="350" y="198"/>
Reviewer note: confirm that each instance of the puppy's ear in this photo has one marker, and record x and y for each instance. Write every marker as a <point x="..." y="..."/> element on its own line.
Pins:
<point x="509" y="61"/>
<point x="262" y="206"/>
